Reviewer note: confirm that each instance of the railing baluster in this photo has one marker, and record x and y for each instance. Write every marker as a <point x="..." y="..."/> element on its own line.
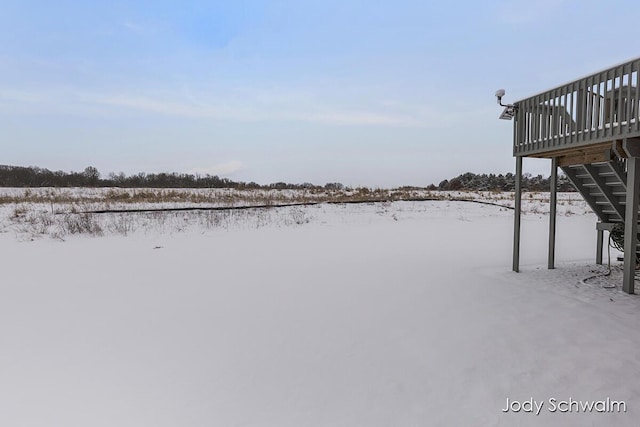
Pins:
<point x="595" y="109"/>
<point x="540" y="123"/>
<point x="541" y="108"/>
<point x="541" y="129"/>
<point x="627" y="102"/>
<point x="599" y="104"/>
<point x="553" y="121"/>
<point x="619" y="104"/>
<point x="530" y="121"/>
<point x="636" y="101"/>
<point x="564" y="116"/>
<point x="518" y="135"/>
<point x="605" y="103"/>
<point x="545" y="120"/>
<point x="608" y="131"/>
<point x="581" y="116"/>
<point x="522" y="120"/>
<point x="572" y="123"/>
<point x="534" y="122"/>
<point x="589" y="129"/>
<point x="534" y="130"/>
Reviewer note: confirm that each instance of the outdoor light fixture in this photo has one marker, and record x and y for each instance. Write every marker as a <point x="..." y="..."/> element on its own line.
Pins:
<point x="509" y="110"/>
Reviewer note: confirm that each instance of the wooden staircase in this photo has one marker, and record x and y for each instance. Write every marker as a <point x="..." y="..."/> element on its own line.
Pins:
<point x="590" y="127"/>
<point x="603" y="185"/>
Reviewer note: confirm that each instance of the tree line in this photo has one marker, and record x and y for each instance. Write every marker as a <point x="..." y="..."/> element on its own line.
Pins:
<point x="32" y="176"/>
<point x="20" y="176"/>
<point x="507" y="182"/>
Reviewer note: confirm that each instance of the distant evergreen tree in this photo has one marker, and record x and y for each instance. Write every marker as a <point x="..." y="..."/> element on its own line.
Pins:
<point x="333" y="186"/>
<point x="32" y="176"/>
<point x="482" y="182"/>
<point x="19" y="176"/>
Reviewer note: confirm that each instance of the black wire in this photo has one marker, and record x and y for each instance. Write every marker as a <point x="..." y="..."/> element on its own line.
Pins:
<point x="616" y="236"/>
<point x="616" y="240"/>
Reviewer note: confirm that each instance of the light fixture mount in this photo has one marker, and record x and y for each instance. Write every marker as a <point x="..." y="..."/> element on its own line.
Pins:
<point x="510" y="110"/>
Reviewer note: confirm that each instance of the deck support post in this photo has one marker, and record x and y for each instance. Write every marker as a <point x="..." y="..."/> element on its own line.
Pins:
<point x="599" y="245"/>
<point x="631" y="224"/>
<point x="553" y="201"/>
<point x="516" y="215"/>
<point x="632" y="148"/>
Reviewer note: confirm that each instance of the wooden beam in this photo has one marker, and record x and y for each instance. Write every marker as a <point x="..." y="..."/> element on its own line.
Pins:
<point x="566" y="151"/>
<point x="631" y="147"/>
<point x="584" y="157"/>
<point x="616" y="147"/>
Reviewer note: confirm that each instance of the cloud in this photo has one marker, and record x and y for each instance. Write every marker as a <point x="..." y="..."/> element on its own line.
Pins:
<point x="355" y="118"/>
<point x="244" y="107"/>
<point x="528" y="12"/>
<point x="221" y="169"/>
<point x="133" y="27"/>
<point x="160" y="106"/>
<point x="421" y="117"/>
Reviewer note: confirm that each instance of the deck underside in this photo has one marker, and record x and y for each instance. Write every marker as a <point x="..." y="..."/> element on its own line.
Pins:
<point x="590" y="128"/>
<point x="580" y="155"/>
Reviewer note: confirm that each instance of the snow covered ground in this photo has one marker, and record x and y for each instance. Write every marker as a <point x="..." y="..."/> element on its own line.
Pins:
<point x="385" y="314"/>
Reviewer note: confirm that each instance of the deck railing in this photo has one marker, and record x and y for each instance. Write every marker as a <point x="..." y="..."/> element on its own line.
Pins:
<point x="598" y="108"/>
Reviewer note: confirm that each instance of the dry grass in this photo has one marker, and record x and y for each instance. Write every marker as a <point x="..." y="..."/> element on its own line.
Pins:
<point x="231" y="197"/>
<point x="59" y="212"/>
<point x="220" y="197"/>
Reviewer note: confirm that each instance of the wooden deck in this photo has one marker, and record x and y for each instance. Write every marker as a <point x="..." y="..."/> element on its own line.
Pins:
<point x="590" y="128"/>
<point x="580" y="119"/>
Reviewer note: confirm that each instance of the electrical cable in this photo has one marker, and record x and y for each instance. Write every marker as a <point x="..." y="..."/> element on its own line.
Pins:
<point x="616" y="240"/>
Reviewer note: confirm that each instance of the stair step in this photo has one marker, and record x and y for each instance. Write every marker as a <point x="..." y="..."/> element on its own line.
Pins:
<point x="603" y="199"/>
<point x="604" y="173"/>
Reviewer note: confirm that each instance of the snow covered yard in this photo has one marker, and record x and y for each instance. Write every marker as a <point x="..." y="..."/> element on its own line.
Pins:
<point x="396" y="314"/>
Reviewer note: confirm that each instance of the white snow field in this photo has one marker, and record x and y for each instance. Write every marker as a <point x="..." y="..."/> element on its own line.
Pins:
<point x="396" y="314"/>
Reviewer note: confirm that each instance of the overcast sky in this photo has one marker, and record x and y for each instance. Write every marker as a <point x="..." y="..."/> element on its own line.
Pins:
<point x="377" y="93"/>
